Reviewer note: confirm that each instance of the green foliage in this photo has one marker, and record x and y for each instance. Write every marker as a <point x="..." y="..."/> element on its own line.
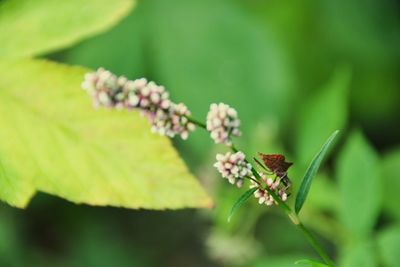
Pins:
<point x="277" y="261"/>
<point x="389" y="246"/>
<point x="10" y="244"/>
<point x="359" y="178"/>
<point x="359" y="254"/>
<point x="266" y="58"/>
<point x="311" y="263"/>
<point x="93" y="251"/>
<point x="391" y="183"/>
<point x="322" y="114"/>
<point x="219" y="55"/>
<point x="30" y="28"/>
<point x="240" y="201"/>
<point x="53" y="140"/>
<point x="324" y="193"/>
<point x="374" y="16"/>
<point x="311" y="172"/>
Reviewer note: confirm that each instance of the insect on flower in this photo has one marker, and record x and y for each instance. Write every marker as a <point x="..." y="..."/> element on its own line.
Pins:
<point x="277" y="164"/>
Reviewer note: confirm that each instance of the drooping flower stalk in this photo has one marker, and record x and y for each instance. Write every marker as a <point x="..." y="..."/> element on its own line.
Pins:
<point x="170" y="119"/>
<point x="151" y="100"/>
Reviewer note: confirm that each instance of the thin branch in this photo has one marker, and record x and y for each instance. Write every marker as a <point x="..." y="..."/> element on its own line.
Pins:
<point x="196" y="122"/>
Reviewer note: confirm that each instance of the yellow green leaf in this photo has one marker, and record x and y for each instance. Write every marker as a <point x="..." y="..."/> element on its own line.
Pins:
<point x="30" y="28"/>
<point x="52" y="140"/>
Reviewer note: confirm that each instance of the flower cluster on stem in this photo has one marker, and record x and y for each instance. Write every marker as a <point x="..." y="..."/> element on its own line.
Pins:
<point x="171" y="119"/>
<point x="222" y="123"/>
<point x="275" y="186"/>
<point x="233" y="167"/>
<point x="152" y="100"/>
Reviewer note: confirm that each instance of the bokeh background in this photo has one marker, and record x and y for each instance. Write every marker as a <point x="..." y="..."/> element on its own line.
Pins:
<point x="293" y="70"/>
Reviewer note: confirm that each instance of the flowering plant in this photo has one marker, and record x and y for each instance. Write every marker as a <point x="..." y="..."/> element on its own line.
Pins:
<point x="269" y="184"/>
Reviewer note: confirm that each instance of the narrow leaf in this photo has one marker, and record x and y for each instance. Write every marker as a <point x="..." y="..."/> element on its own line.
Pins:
<point x="311" y="263"/>
<point x="310" y="173"/>
<point x="241" y="201"/>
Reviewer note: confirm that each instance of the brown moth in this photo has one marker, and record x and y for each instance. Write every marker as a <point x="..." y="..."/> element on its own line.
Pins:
<point x="277" y="164"/>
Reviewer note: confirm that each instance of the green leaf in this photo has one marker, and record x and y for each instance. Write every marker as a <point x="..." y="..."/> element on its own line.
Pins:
<point x="359" y="180"/>
<point x="359" y="254"/>
<point x="391" y="183"/>
<point x="275" y="261"/>
<point x="322" y="114"/>
<point x="324" y="194"/>
<point x="310" y="173"/>
<point x="241" y="201"/>
<point x="30" y="28"/>
<point x="52" y="140"/>
<point x="389" y="246"/>
<point x="311" y="263"/>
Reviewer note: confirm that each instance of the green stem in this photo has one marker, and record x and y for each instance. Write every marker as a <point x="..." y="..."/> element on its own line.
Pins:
<point x="254" y="180"/>
<point x="272" y="193"/>
<point x="316" y="245"/>
<point x="196" y="122"/>
<point x="292" y="216"/>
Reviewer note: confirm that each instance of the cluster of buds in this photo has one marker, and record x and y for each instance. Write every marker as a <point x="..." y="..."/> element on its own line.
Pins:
<point x="233" y="167"/>
<point x="275" y="186"/>
<point x="169" y="119"/>
<point x="148" y="97"/>
<point x="172" y="121"/>
<point x="105" y="88"/>
<point x="222" y="122"/>
<point x="166" y="118"/>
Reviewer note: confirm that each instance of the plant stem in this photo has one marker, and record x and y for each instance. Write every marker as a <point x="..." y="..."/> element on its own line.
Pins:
<point x="196" y="122"/>
<point x="315" y="245"/>
<point x="292" y="216"/>
<point x="256" y="181"/>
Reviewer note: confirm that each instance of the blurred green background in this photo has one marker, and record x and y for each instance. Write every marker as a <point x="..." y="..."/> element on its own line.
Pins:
<point x="295" y="71"/>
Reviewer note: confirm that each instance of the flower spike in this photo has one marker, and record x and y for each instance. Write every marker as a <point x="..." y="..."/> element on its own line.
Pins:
<point x="166" y="118"/>
<point x="222" y="123"/>
<point x="274" y="185"/>
<point x="233" y="167"/>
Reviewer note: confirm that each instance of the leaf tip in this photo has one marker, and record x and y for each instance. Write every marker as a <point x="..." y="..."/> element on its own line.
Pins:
<point x="311" y="172"/>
